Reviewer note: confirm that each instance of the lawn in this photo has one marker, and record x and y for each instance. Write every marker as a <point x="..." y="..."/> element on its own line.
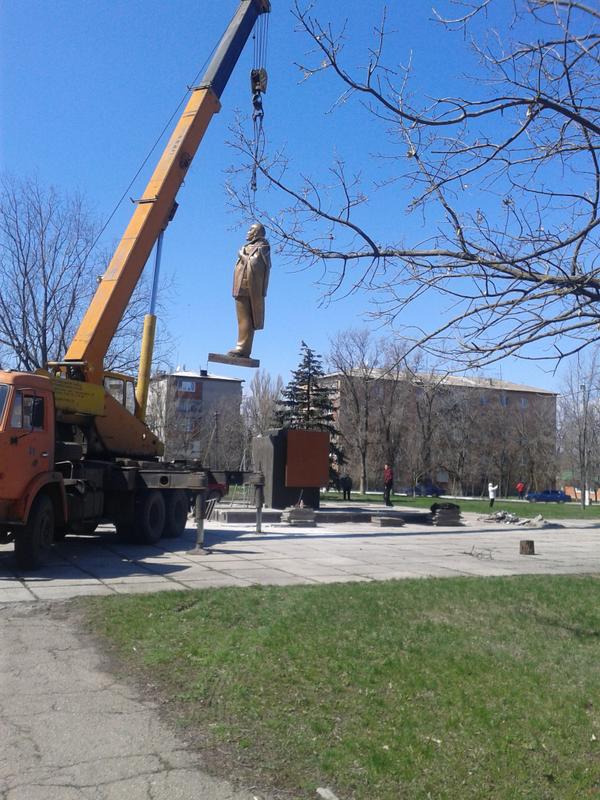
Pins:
<point x="571" y="510"/>
<point x="447" y="688"/>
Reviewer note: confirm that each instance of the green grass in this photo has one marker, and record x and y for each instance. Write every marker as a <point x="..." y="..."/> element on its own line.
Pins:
<point x="571" y="510"/>
<point x="448" y="688"/>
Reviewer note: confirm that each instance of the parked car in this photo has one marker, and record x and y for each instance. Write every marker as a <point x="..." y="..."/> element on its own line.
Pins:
<point x="422" y="490"/>
<point x="216" y="489"/>
<point x="548" y="496"/>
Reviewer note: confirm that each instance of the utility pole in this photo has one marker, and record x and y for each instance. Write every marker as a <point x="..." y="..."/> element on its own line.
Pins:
<point x="583" y="448"/>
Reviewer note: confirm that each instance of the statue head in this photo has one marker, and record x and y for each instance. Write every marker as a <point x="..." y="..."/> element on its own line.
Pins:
<point x="257" y="231"/>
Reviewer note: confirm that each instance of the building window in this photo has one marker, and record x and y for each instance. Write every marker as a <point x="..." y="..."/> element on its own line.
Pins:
<point x="524" y="402"/>
<point x="186" y="386"/>
<point x="377" y="391"/>
<point x="504" y="400"/>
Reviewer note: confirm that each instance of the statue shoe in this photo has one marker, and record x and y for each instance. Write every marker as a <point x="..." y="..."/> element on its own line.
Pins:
<point x="237" y="353"/>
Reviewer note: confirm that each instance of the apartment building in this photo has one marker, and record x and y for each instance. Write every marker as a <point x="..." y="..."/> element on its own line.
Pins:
<point x="197" y="416"/>
<point x="457" y="431"/>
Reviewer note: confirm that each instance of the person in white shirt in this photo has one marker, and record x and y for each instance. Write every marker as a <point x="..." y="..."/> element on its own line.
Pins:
<point x="492" y="493"/>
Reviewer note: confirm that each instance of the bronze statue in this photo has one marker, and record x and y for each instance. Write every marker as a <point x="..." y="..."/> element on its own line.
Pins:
<point x="250" y="281"/>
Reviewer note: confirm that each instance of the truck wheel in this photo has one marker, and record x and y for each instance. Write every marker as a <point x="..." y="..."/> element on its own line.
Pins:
<point x="34" y="540"/>
<point x="177" y="507"/>
<point x="125" y="533"/>
<point x="150" y="517"/>
<point x="88" y="528"/>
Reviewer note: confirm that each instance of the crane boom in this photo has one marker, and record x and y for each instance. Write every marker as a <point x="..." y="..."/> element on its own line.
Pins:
<point x="100" y="322"/>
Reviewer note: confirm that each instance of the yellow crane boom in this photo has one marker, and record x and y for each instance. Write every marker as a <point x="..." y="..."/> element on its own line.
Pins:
<point x="89" y="346"/>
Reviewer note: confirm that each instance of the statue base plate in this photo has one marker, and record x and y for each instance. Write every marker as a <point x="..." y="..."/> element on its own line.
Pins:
<point x="236" y="361"/>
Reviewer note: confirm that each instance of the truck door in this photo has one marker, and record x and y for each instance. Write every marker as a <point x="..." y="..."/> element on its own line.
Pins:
<point x="30" y="447"/>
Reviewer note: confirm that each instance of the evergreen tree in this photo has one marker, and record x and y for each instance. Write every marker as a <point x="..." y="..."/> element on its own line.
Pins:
<point x="306" y="403"/>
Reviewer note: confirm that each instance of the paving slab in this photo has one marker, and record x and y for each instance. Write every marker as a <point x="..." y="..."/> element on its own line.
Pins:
<point x="146" y="588"/>
<point x="215" y="582"/>
<point x="101" y="564"/>
<point x="17" y="594"/>
<point x="67" y="592"/>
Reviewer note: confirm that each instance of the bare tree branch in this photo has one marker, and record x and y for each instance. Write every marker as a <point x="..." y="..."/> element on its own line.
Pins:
<point x="48" y="273"/>
<point x="519" y="265"/>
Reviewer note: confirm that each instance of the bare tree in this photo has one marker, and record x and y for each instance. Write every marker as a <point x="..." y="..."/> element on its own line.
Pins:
<point x="462" y="442"/>
<point x="579" y="423"/>
<point x="390" y="410"/>
<point x="49" y="268"/>
<point x="355" y="357"/>
<point x="535" y="452"/>
<point x="504" y="175"/>
<point x="391" y="414"/>
<point x="258" y="407"/>
<point x="46" y="271"/>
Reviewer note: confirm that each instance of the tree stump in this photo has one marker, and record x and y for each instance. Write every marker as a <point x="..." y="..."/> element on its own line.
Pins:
<point x="527" y="547"/>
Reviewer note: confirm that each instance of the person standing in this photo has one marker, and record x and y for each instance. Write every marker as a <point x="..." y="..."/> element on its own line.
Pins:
<point x="346" y="483"/>
<point x="492" y="493"/>
<point x="388" y="483"/>
<point x="520" y="487"/>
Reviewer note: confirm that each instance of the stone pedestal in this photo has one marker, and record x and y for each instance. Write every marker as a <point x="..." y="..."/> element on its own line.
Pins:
<point x="269" y="454"/>
<point x="299" y="517"/>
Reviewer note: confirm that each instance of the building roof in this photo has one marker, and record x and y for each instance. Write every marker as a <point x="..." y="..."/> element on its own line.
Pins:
<point x="203" y="375"/>
<point x="494" y="383"/>
<point x="476" y="382"/>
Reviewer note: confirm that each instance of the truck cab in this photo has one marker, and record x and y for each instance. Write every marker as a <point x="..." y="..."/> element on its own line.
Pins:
<point x="32" y="498"/>
<point x="26" y="439"/>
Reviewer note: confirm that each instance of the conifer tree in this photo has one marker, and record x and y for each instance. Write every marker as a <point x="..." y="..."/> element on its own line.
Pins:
<point x="306" y="403"/>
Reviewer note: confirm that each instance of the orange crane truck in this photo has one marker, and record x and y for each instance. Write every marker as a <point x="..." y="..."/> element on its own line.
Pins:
<point x="75" y="450"/>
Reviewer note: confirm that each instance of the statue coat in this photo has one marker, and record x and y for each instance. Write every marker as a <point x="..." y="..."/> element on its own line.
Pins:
<point x="251" y="278"/>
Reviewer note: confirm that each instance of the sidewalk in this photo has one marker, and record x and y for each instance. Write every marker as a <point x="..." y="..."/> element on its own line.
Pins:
<point x="100" y="564"/>
<point x="71" y="731"/>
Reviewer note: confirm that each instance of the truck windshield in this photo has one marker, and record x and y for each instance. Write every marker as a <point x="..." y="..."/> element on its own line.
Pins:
<point x="3" y="398"/>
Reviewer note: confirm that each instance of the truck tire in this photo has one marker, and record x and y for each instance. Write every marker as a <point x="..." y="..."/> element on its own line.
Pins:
<point x="125" y="532"/>
<point x="176" y="513"/>
<point x="149" y="517"/>
<point x="88" y="528"/>
<point x="34" y="540"/>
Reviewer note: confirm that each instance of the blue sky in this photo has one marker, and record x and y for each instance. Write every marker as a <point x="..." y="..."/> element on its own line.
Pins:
<point x="87" y="86"/>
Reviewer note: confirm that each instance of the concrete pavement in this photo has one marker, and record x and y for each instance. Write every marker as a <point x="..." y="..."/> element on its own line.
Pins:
<point x="71" y="730"/>
<point x="281" y="555"/>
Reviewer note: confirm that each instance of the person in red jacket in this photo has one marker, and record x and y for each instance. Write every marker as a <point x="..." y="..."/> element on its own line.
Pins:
<point x="388" y="483"/>
<point x="520" y="487"/>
